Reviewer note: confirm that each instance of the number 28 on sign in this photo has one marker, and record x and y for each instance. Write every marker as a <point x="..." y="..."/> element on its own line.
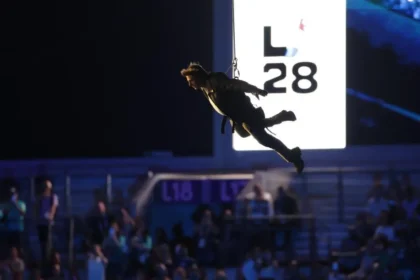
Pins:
<point x="283" y="53"/>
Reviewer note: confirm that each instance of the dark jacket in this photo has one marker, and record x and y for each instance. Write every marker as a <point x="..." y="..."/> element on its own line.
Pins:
<point x="99" y="226"/>
<point x="230" y="98"/>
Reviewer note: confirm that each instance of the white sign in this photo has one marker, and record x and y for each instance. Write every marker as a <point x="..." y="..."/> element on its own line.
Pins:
<point x="296" y="50"/>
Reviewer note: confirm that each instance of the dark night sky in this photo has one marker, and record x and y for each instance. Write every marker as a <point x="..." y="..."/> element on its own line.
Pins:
<point x="101" y="79"/>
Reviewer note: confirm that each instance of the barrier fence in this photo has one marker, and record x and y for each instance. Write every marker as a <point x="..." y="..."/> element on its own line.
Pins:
<point x="71" y="237"/>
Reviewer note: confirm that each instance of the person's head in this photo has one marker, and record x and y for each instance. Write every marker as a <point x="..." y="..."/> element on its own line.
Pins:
<point x="17" y="267"/>
<point x="56" y="258"/>
<point x="101" y="207"/>
<point x="207" y="217"/>
<point x="180" y="273"/>
<point x="14" y="253"/>
<point x="115" y="227"/>
<point x="221" y="274"/>
<point x="195" y="75"/>
<point x="227" y="212"/>
<point x="47" y="187"/>
<point x="294" y="265"/>
<point x="280" y="192"/>
<point x="258" y="191"/>
<point x="14" y="193"/>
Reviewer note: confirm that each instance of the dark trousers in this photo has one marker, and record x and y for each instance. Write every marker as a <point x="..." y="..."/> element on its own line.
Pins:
<point x="14" y="239"/>
<point x="289" y="242"/>
<point x="45" y="241"/>
<point x="288" y="234"/>
<point x="257" y="130"/>
<point x="97" y="237"/>
<point x="114" y="271"/>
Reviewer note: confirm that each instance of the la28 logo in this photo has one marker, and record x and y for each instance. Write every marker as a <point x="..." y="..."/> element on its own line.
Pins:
<point x="270" y="51"/>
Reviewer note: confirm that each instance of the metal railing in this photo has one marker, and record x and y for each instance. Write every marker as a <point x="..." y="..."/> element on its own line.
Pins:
<point x="337" y="180"/>
<point x="60" y="236"/>
<point x="30" y="186"/>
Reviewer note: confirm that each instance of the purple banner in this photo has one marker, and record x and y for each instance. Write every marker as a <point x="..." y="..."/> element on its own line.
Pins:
<point x="196" y="191"/>
<point x="179" y="192"/>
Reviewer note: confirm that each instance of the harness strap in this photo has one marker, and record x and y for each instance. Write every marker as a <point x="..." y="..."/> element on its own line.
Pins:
<point x="224" y="120"/>
<point x="270" y="131"/>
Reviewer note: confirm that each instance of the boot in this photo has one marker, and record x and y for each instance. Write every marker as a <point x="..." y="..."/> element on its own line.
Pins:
<point x="293" y="156"/>
<point x="279" y="118"/>
<point x="297" y="160"/>
<point x="289" y="155"/>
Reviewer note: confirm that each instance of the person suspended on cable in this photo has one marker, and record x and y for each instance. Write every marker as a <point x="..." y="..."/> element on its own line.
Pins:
<point x="227" y="97"/>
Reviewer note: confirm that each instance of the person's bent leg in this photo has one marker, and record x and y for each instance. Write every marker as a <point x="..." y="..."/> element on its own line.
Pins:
<point x="279" y="118"/>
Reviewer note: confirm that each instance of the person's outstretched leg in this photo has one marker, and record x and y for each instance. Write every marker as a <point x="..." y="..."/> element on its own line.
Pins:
<point x="279" y="118"/>
<point x="268" y="140"/>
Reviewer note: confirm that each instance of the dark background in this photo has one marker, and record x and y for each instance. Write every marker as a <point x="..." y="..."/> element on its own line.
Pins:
<point x="102" y="80"/>
<point x="383" y="63"/>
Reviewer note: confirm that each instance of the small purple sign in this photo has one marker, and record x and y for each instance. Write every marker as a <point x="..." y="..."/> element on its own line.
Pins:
<point x="197" y="191"/>
<point x="224" y="191"/>
<point x="179" y="192"/>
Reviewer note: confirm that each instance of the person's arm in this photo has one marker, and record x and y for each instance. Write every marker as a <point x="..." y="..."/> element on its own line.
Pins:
<point x="53" y="210"/>
<point x="20" y="206"/>
<point x="239" y="85"/>
<point x="113" y="235"/>
<point x="127" y="217"/>
<point x="221" y="82"/>
<point x="148" y="244"/>
<point x="100" y="254"/>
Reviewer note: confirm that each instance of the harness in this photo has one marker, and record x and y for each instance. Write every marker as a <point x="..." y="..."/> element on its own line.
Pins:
<point x="224" y="120"/>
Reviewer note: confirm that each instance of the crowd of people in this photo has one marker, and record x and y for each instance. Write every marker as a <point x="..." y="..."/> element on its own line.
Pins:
<point x="219" y="240"/>
<point x="15" y="240"/>
<point x="122" y="247"/>
<point x="382" y="243"/>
